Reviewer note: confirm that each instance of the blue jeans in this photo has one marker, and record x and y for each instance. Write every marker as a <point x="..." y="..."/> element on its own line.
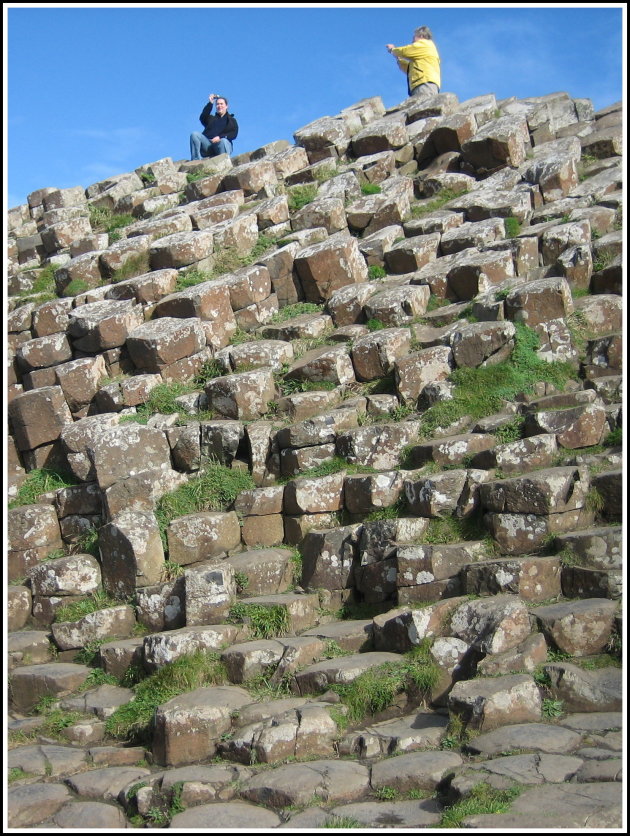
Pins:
<point x="200" y="146"/>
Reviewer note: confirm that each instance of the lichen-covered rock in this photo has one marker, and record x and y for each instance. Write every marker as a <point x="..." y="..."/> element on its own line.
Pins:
<point x="492" y="625"/>
<point x="202" y="536"/>
<point x="325" y="267"/>
<point x="38" y="417"/>
<point x="131" y="553"/>
<point x="579" y="628"/>
<point x="243" y="396"/>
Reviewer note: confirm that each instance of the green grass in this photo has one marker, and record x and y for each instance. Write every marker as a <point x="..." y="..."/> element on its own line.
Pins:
<point x="264" y="622"/>
<point x="300" y="196"/>
<point x="41" y="481"/>
<point x="341" y="823"/>
<point x="296" y="309"/>
<point x="375" y="325"/>
<point x="510" y="431"/>
<point x="132" y="721"/>
<point x="162" y="399"/>
<point x="482" y="800"/>
<point x="95" y="678"/>
<point x="16" y="773"/>
<point x="75" y="287"/>
<point x="214" y="489"/>
<point x="229" y="260"/>
<point x="98" y="600"/>
<point x="370" y="188"/>
<point x="375" y="271"/>
<point x="552" y="708"/>
<point x="512" y="227"/>
<point x="106" y="220"/>
<point x="375" y="689"/>
<point x="453" y="530"/>
<point x="335" y="465"/>
<point x="439" y="200"/>
<point x="483" y="391"/>
<point x="135" y="265"/>
<point x="191" y="277"/>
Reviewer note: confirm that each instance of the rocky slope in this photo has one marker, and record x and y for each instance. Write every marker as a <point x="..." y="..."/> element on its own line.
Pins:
<point x="315" y="480"/>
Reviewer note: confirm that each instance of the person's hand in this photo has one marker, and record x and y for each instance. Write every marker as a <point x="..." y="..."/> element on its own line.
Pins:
<point x="212" y="96"/>
<point x="389" y="47"/>
<point x="216" y="139"/>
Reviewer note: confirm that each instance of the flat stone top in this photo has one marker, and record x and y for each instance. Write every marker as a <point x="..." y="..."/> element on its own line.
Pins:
<point x="537" y="737"/>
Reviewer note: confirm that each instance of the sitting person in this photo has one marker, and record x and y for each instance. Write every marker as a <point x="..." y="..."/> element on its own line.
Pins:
<point x="219" y="131"/>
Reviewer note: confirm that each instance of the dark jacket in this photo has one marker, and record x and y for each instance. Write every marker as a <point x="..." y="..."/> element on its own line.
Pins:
<point x="208" y="119"/>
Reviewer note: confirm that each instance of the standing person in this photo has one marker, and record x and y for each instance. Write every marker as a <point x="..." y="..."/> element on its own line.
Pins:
<point x="219" y="131"/>
<point x="421" y="62"/>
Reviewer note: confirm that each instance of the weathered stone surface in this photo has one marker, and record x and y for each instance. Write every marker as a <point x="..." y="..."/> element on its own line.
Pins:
<point x="32" y="804"/>
<point x="492" y="625"/>
<point x="18" y="607"/>
<point x="317" y="677"/>
<point x="417" y="370"/>
<point x="203" y="535"/>
<point x="548" y="491"/>
<point x="127" y="450"/>
<point x="91" y="815"/>
<point x="157" y="344"/>
<point x="38" y="417"/>
<point x="580" y="426"/>
<point x="377" y="446"/>
<point x="579" y="628"/>
<point x="526" y="453"/>
<point x="189" y="726"/>
<point x="330" y="364"/>
<point x="328" y="556"/>
<point x="374" y="355"/>
<point x="31" y="682"/>
<point x="597" y="548"/>
<point x="164" y="647"/>
<point x="485" y="704"/>
<point x="331" y="780"/>
<point x="105" y="623"/>
<point x="226" y="815"/>
<point x="324" y="268"/>
<point x="210" y="588"/>
<point x="422" y="770"/>
<point x="586" y="690"/>
<point x="243" y="396"/>
<point x="131" y="553"/>
<point x="534" y="579"/>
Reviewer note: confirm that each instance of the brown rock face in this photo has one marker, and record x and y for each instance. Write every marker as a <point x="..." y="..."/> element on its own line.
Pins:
<point x="324" y="268"/>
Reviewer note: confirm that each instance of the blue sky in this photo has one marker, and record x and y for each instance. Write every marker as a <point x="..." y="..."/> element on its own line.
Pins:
<point x="100" y="89"/>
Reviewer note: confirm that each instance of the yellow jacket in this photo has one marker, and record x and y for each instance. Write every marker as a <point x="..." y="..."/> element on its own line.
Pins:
<point x="421" y="62"/>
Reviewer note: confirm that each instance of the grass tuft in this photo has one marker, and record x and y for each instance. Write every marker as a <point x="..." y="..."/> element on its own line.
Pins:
<point x="133" y="720"/>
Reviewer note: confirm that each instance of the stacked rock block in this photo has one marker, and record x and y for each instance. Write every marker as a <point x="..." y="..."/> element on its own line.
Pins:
<point x="310" y="343"/>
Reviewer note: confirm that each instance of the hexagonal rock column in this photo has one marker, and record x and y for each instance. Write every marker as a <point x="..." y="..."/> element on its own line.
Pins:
<point x="579" y="628"/>
<point x="201" y="536"/>
<point x="125" y="450"/>
<point x="500" y="142"/>
<point x="243" y="396"/>
<point x="98" y="326"/>
<point x="486" y="704"/>
<point x="38" y="417"/>
<point x="210" y="588"/>
<point x="160" y="343"/>
<point x="131" y="553"/>
<point x="325" y="267"/>
<point x="492" y="625"/>
<point x="31" y="682"/>
<point x="189" y="726"/>
<point x="102" y="624"/>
